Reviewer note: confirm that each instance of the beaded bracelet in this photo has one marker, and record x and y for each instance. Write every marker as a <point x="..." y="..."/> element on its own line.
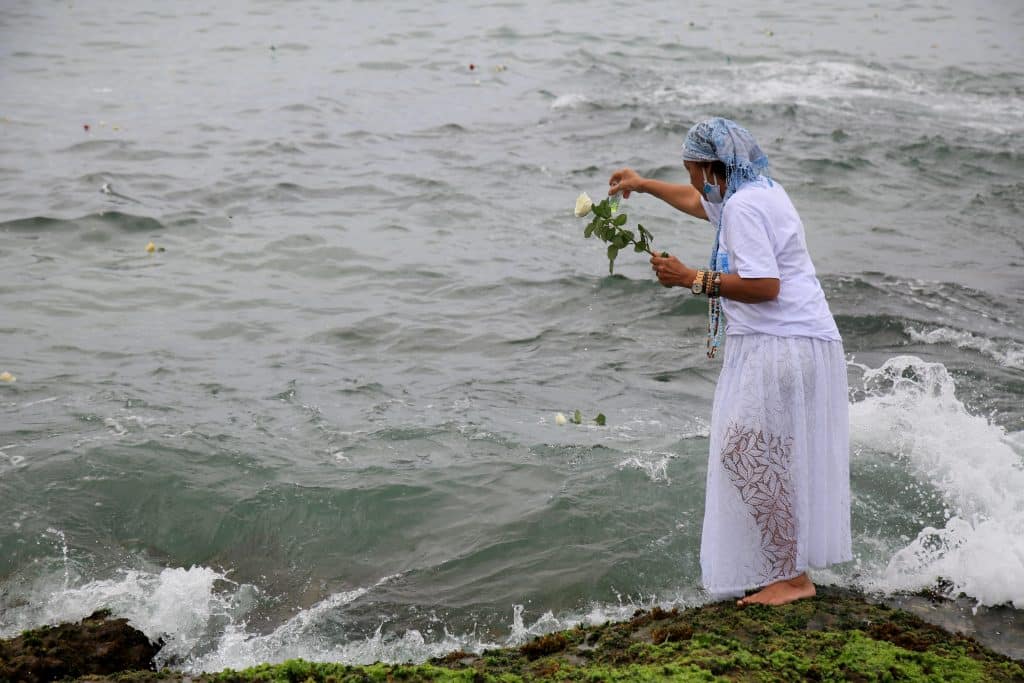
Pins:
<point x="715" y="284"/>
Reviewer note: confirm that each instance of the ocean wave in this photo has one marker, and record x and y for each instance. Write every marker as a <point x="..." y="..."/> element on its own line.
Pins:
<point x="301" y="636"/>
<point x="654" y="465"/>
<point x="840" y="86"/>
<point x="910" y="412"/>
<point x="1004" y="351"/>
<point x="205" y="620"/>
<point x="180" y="606"/>
<point x="570" y="101"/>
<point x="94" y="224"/>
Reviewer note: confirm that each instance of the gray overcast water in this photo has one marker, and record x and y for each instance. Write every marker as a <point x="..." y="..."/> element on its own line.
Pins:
<point x="318" y="420"/>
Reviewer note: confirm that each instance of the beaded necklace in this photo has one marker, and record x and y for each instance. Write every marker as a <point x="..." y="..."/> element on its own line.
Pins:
<point x="716" y="330"/>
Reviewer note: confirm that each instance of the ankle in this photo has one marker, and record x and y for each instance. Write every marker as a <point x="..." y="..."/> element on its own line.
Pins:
<point x="800" y="581"/>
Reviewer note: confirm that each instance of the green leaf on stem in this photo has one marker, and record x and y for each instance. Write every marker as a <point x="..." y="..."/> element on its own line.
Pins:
<point x="609" y="228"/>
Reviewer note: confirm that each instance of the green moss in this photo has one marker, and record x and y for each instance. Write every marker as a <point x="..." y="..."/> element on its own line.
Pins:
<point x="545" y="645"/>
<point x="300" y="671"/>
<point x="880" y="660"/>
<point x="640" y="673"/>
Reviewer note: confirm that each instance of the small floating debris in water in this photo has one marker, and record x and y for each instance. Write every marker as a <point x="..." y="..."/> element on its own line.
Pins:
<point x="472" y="67"/>
<point x="560" y="419"/>
<point x="499" y="68"/>
<point x="150" y="248"/>
<point x="108" y="189"/>
<point x="7" y="377"/>
<point x="85" y="126"/>
<point x="601" y="420"/>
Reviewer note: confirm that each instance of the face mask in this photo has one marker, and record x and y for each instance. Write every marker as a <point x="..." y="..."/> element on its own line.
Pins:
<point x="711" y="192"/>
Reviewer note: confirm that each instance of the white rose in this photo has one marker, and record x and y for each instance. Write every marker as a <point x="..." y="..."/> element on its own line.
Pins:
<point x="560" y="419"/>
<point x="583" y="204"/>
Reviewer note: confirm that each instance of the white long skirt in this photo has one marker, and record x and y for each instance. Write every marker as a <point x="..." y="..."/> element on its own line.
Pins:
<point x="778" y="485"/>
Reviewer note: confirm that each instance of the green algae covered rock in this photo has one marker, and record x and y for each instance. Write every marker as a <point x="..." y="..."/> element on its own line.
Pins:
<point x="96" y="645"/>
<point x="837" y="636"/>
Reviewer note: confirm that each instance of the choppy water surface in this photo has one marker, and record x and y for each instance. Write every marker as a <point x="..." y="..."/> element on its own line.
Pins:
<point x="318" y="420"/>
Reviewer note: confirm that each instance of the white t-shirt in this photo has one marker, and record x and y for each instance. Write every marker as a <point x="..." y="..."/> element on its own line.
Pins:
<point x="763" y="236"/>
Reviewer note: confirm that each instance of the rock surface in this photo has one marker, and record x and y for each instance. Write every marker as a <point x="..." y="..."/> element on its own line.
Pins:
<point x="95" y="645"/>
<point x="837" y="636"/>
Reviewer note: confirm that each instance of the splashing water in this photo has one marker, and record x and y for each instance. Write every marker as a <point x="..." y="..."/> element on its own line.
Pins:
<point x="910" y="410"/>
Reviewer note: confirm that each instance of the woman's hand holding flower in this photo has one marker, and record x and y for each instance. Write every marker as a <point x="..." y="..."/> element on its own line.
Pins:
<point x="625" y="181"/>
<point x="672" y="272"/>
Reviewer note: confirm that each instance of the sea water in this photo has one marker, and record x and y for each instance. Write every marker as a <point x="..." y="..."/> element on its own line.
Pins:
<point x="320" y="422"/>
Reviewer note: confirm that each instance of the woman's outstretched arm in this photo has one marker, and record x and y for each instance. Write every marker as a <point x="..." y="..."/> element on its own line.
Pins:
<point x="686" y="198"/>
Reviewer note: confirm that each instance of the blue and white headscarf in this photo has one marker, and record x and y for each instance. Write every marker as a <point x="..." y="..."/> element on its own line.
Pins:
<point x="719" y="139"/>
<point x="723" y="140"/>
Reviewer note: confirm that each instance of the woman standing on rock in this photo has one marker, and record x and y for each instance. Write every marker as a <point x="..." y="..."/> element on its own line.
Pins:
<point x="778" y="493"/>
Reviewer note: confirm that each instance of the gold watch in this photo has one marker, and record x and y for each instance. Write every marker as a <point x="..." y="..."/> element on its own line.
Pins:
<point x="698" y="283"/>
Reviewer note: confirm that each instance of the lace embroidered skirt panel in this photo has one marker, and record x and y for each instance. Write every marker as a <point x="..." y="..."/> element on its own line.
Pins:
<point x="778" y="484"/>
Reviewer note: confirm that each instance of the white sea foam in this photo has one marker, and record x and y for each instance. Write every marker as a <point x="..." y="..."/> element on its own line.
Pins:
<point x="179" y="605"/>
<point x="1004" y="352"/>
<point x="201" y="615"/>
<point x="569" y="101"/>
<point x="300" y="637"/>
<point x="844" y="86"/>
<point x="654" y="465"/>
<point x="912" y="413"/>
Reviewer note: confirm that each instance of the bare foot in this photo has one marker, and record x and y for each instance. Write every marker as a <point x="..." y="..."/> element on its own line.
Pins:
<point x="781" y="592"/>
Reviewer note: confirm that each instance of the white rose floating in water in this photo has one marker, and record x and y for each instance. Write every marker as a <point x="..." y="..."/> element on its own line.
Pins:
<point x="577" y="418"/>
<point x="583" y="205"/>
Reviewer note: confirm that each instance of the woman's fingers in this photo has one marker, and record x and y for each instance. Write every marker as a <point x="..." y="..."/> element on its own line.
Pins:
<point x="669" y="269"/>
<point x="619" y="182"/>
